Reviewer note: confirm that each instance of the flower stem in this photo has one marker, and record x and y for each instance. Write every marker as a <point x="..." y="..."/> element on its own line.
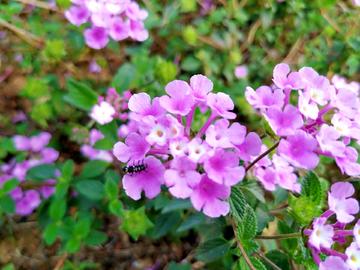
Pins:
<point x="159" y="151"/>
<point x="280" y="236"/>
<point x="273" y="265"/>
<point x="241" y="247"/>
<point x="263" y="155"/>
<point x="189" y="119"/>
<point x="207" y="124"/>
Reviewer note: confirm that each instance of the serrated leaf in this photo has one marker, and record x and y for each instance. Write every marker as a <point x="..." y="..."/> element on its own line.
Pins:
<point x="176" y="204"/>
<point x="252" y="186"/>
<point x="303" y="209"/>
<point x="237" y="203"/>
<point x="279" y="258"/>
<point x="311" y="187"/>
<point x="254" y="261"/>
<point x="103" y="144"/>
<point x="50" y="234"/>
<point x="164" y="222"/>
<point x="58" y="209"/>
<point x="94" y="168"/>
<point x="212" y="249"/>
<point x="263" y="219"/>
<point x="95" y="238"/>
<point x="80" y="95"/>
<point x="41" y="172"/>
<point x="246" y="229"/>
<point x="136" y="222"/>
<point x="92" y="189"/>
<point x="302" y="254"/>
<point x="290" y="244"/>
<point x="192" y="221"/>
<point x="250" y="246"/>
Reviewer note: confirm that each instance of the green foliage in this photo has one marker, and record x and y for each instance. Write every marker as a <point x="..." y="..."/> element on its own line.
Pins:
<point x="80" y="95"/>
<point x="92" y="189"/>
<point x="164" y="223"/>
<point x="35" y="87"/>
<point x="252" y="186"/>
<point x="246" y="228"/>
<point x="136" y="222"/>
<point x="237" y="203"/>
<point x="212" y="249"/>
<point x="41" y="172"/>
<point x="123" y="77"/>
<point x="190" y="35"/>
<point x="242" y="265"/>
<point x="109" y="131"/>
<point x="174" y="266"/>
<point x="176" y="204"/>
<point x="290" y="244"/>
<point x="191" y="222"/>
<point x="54" y="50"/>
<point x="165" y="71"/>
<point x="94" y="168"/>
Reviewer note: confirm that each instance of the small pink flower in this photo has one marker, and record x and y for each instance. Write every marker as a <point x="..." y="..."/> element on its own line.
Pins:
<point x="200" y="87"/>
<point x="333" y="263"/>
<point x="220" y="104"/>
<point x="96" y="37"/>
<point x="348" y="162"/>
<point x="102" y="113"/>
<point x="140" y="104"/>
<point x="119" y="29"/>
<point x="353" y="254"/>
<point x="135" y="148"/>
<point x="77" y="15"/>
<point x="321" y="235"/>
<point x="327" y="138"/>
<point x="264" y="97"/>
<point x="241" y="71"/>
<point x="28" y="203"/>
<point x="293" y="81"/>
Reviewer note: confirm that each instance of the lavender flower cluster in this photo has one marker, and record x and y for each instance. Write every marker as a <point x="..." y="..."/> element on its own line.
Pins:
<point x="156" y="130"/>
<point x="27" y="201"/>
<point x="322" y="237"/>
<point x="118" y="18"/>
<point x="304" y="134"/>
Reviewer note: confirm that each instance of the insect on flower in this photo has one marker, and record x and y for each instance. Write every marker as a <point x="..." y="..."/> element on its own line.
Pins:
<point x="135" y="168"/>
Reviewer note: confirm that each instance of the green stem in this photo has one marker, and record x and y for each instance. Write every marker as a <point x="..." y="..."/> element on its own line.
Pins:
<point x="262" y="155"/>
<point x="280" y="236"/>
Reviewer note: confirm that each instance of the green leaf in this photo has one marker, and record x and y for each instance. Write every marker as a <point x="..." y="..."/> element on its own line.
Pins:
<point x="61" y="190"/>
<point x="7" y="204"/>
<point x="68" y="169"/>
<point x="95" y="238"/>
<point x="136" y="222"/>
<point x="190" y="64"/>
<point x="302" y="253"/>
<point x="311" y="187"/>
<point x="263" y="219"/>
<point x="111" y="189"/>
<point x="246" y="229"/>
<point x="290" y="244"/>
<point x="164" y="222"/>
<point x="92" y="189"/>
<point x="250" y="246"/>
<point x="253" y="186"/>
<point x="35" y="87"/>
<point x="41" y="172"/>
<point x="8" y="145"/>
<point x="51" y="233"/>
<point x="109" y="131"/>
<point x="58" y="209"/>
<point x="212" y="249"/>
<point x="303" y="209"/>
<point x="54" y="50"/>
<point x="73" y="245"/>
<point x="254" y="261"/>
<point x="9" y="266"/>
<point x="111" y="174"/>
<point x="160" y="202"/>
<point x="80" y="95"/>
<point x="174" y="266"/>
<point x="94" y="168"/>
<point x="165" y="71"/>
<point x="10" y="184"/>
<point x="237" y="203"/>
<point x="103" y="144"/>
<point x="116" y="207"/>
<point x="82" y="228"/>
<point x="176" y="204"/>
<point x="279" y="258"/>
<point x="192" y="221"/>
<point x="123" y="77"/>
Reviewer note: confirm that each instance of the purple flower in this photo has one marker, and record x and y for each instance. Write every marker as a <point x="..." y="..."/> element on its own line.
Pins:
<point x="96" y="37"/>
<point x="47" y="191"/>
<point x="102" y="113"/>
<point x="321" y="235"/>
<point x="293" y="81"/>
<point x="220" y="135"/>
<point x="353" y="254"/>
<point x="181" y="99"/>
<point x="197" y="148"/>
<point x="264" y="97"/>
<point x="241" y="71"/>
<point x="119" y="29"/>
<point x="206" y="196"/>
<point x="178" y="146"/>
<point x="77" y="15"/>
<point x="135" y="148"/>
<point x="347" y="162"/>
<point x="340" y="205"/>
<point x="298" y="150"/>
<point x="200" y="87"/>
<point x="149" y="180"/>
<point x="134" y="12"/>
<point x="40" y="141"/>
<point x="327" y="138"/>
<point x="223" y="167"/>
<point x="21" y="143"/>
<point x="306" y="106"/>
<point x="287" y="178"/>
<point x="138" y="31"/>
<point x="333" y="263"/>
<point x="94" y="67"/>
<point x="182" y="177"/>
<point x="267" y="177"/>
<point x="250" y="147"/>
<point x="94" y="136"/>
<point x="356" y="232"/>
<point x="319" y="90"/>
<point x="286" y="122"/>
<point x="220" y="104"/>
<point x="140" y="104"/>
<point x="28" y="203"/>
<point x="49" y="155"/>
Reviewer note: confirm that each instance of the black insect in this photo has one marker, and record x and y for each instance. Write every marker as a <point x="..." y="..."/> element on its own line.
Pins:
<point x="135" y="168"/>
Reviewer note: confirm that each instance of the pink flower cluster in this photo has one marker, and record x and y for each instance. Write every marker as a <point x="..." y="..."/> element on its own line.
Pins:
<point x="304" y="133"/>
<point x="113" y="105"/>
<point x="322" y="237"/>
<point x="27" y="201"/>
<point x="92" y="153"/>
<point x="118" y="18"/>
<point x="202" y="166"/>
